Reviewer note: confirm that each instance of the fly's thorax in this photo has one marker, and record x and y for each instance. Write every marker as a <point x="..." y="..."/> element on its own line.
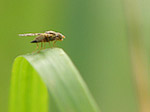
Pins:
<point x="50" y="32"/>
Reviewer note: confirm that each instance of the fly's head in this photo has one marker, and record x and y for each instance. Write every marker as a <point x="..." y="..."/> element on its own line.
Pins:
<point x="60" y="37"/>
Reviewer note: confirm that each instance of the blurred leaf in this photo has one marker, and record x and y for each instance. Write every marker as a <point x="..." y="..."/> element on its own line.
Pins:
<point x="50" y="74"/>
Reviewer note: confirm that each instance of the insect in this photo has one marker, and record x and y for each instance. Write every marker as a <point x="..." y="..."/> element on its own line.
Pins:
<point x="45" y="37"/>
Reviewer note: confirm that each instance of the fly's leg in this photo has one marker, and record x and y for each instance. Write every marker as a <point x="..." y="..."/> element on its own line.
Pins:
<point x="44" y="45"/>
<point x="36" y="47"/>
<point x="49" y="44"/>
<point x="41" y="46"/>
<point x="54" y="43"/>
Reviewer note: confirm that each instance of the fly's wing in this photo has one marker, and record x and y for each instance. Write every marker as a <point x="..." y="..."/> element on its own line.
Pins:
<point x="30" y="34"/>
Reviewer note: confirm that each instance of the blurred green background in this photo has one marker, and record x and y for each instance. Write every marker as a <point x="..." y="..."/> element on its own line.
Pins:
<point x="97" y="40"/>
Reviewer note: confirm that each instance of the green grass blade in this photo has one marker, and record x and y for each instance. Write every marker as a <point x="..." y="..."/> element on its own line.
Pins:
<point x="42" y="79"/>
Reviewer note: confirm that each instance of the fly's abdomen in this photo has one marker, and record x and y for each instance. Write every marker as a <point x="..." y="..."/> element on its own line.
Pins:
<point x="38" y="39"/>
<point x="34" y="41"/>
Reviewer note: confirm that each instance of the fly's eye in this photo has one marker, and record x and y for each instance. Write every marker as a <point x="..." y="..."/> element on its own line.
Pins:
<point x="63" y="36"/>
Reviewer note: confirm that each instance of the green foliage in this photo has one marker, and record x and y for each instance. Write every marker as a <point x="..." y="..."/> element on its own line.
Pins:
<point x="48" y="81"/>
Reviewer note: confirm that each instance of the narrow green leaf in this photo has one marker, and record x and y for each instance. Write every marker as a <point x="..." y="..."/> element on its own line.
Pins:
<point x="46" y="80"/>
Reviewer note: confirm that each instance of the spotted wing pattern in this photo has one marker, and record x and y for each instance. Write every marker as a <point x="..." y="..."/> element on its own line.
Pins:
<point x="30" y="34"/>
